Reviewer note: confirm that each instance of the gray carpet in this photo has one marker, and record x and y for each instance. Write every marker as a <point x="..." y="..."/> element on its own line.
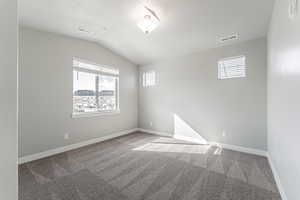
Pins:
<point x="143" y="166"/>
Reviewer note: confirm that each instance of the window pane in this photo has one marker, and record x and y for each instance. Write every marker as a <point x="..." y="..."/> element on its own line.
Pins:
<point x="84" y="95"/>
<point x="107" y="97"/>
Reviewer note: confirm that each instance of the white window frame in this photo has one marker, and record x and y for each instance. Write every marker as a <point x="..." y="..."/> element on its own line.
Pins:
<point x="102" y="71"/>
<point x="231" y="77"/>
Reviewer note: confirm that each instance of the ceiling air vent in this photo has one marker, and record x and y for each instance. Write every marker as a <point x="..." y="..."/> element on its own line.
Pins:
<point x="229" y="38"/>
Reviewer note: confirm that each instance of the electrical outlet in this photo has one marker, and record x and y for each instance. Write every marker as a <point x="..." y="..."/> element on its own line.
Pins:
<point x="66" y="136"/>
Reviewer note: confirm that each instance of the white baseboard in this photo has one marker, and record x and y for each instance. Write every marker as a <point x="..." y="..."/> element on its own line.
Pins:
<point x="276" y="177"/>
<point x="190" y="139"/>
<point x="52" y="152"/>
<point x="155" y="132"/>
<point x="241" y="149"/>
<point x="225" y="146"/>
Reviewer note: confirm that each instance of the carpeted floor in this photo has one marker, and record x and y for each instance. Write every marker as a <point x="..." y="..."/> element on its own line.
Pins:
<point x="143" y="166"/>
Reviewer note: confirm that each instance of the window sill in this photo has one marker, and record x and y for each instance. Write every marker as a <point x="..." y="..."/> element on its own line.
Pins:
<point x="95" y="114"/>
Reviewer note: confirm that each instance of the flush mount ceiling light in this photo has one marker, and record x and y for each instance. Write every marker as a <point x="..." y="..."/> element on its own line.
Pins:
<point x="149" y="22"/>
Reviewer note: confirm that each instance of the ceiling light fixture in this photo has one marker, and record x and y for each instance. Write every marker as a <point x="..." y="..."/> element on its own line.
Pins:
<point x="149" y="22"/>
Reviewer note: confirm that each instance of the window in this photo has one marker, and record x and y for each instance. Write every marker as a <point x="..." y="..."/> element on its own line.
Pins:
<point x="149" y="78"/>
<point x="232" y="67"/>
<point x="95" y="88"/>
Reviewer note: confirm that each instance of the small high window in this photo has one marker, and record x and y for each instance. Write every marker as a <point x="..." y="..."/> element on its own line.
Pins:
<point x="149" y="78"/>
<point x="95" y="88"/>
<point x="234" y="67"/>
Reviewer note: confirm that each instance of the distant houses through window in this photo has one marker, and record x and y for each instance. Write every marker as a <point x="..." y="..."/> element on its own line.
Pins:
<point x="95" y="88"/>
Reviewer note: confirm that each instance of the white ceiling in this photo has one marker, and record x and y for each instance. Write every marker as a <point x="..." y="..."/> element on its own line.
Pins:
<point x="186" y="25"/>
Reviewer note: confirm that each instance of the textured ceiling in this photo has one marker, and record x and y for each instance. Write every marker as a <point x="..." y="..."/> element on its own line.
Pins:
<point x="186" y="25"/>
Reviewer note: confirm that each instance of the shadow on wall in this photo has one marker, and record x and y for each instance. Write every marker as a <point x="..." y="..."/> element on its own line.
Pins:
<point x="184" y="131"/>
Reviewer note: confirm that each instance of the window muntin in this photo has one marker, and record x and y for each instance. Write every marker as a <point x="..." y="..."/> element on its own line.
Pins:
<point x="234" y="67"/>
<point x="95" y="88"/>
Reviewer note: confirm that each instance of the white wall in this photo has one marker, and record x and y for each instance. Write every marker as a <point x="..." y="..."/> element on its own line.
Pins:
<point x="189" y="97"/>
<point x="8" y="99"/>
<point x="45" y="92"/>
<point x="284" y="97"/>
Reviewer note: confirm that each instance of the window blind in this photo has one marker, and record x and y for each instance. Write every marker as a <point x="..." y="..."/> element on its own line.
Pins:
<point x="85" y="66"/>
<point x="149" y="78"/>
<point x="232" y="67"/>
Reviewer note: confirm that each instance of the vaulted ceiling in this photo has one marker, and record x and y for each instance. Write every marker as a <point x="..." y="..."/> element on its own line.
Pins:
<point x="185" y="25"/>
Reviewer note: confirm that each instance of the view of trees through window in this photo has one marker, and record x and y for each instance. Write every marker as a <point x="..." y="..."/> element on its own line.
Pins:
<point x="94" y="92"/>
